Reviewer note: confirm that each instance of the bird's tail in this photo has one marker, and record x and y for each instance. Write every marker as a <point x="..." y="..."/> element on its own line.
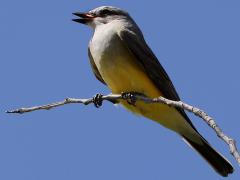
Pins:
<point x="215" y="159"/>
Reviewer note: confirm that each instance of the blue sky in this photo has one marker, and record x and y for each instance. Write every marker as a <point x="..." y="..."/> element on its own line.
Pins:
<point x="44" y="59"/>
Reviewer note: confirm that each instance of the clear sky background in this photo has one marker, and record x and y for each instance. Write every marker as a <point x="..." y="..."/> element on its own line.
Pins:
<point x="43" y="57"/>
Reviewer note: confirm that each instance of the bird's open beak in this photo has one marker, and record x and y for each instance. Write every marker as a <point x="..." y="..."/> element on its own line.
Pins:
<point x="84" y="17"/>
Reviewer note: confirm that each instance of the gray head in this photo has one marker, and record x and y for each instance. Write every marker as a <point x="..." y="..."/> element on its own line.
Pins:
<point x="100" y="15"/>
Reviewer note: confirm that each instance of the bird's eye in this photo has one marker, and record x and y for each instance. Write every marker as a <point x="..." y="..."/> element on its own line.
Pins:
<point x="105" y="12"/>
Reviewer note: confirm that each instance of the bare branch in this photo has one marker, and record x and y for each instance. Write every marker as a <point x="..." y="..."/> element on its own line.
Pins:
<point x="137" y="97"/>
<point x="110" y="97"/>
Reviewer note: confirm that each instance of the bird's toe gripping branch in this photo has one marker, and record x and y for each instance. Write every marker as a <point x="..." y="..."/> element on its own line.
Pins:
<point x="97" y="100"/>
<point x="131" y="97"/>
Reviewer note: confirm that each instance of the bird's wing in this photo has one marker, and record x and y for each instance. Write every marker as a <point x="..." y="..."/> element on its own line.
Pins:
<point x="139" y="48"/>
<point x="94" y="68"/>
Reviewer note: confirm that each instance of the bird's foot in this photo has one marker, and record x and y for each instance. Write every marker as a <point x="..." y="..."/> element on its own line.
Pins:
<point x="130" y="97"/>
<point x="97" y="100"/>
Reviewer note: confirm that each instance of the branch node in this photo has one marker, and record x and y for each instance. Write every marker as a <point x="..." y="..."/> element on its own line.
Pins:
<point x="67" y="100"/>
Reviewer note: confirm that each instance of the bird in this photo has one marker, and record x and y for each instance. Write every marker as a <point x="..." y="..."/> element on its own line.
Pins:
<point x="122" y="60"/>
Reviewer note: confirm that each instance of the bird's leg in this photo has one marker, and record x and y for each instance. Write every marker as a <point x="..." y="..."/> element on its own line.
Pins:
<point x="97" y="100"/>
<point x="130" y="97"/>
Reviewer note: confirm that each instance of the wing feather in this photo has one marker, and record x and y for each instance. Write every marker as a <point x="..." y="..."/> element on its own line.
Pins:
<point x="94" y="68"/>
<point x="139" y="48"/>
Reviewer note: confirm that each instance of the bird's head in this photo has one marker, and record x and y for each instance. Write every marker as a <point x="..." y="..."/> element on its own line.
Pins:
<point x="100" y="15"/>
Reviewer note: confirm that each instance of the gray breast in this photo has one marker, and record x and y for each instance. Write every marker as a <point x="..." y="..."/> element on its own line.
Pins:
<point x="105" y="45"/>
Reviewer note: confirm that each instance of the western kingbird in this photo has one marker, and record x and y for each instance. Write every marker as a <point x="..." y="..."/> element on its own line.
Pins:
<point x="122" y="60"/>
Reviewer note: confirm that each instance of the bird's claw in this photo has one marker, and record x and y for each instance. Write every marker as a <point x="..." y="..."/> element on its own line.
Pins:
<point x="97" y="100"/>
<point x="130" y="97"/>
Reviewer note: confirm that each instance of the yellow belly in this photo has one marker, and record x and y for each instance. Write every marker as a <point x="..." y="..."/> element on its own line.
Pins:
<point x="125" y="75"/>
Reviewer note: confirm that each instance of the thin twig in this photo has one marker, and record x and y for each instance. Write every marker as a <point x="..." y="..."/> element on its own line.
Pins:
<point x="61" y="103"/>
<point x="179" y="104"/>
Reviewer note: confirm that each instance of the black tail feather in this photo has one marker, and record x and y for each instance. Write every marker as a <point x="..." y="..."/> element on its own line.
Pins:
<point x="216" y="160"/>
